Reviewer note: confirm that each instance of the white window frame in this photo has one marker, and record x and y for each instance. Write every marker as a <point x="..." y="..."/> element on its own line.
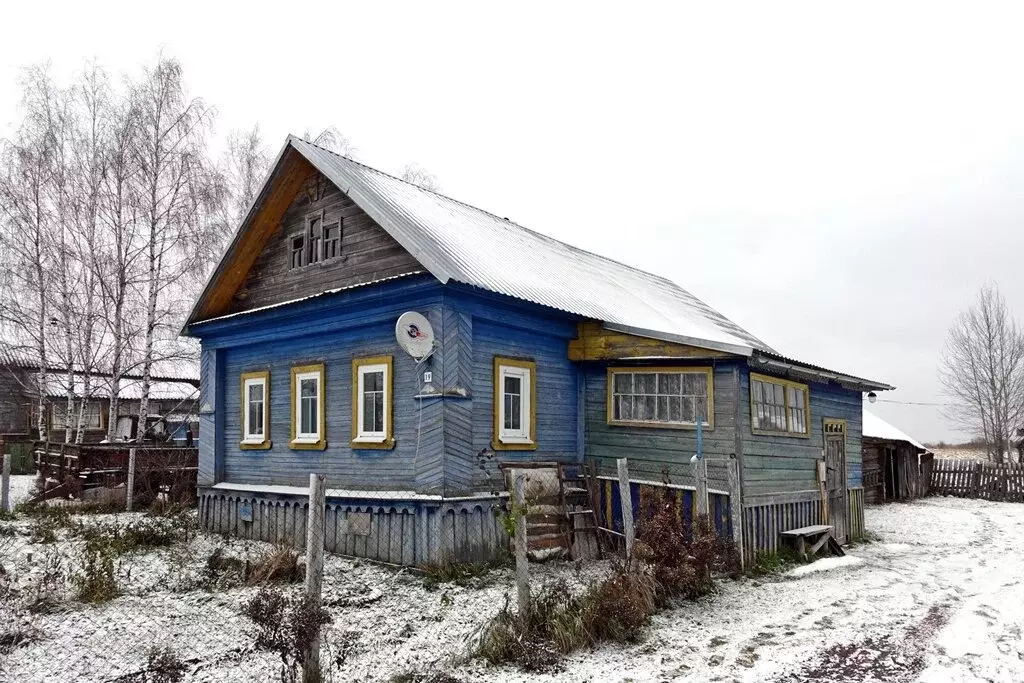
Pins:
<point x="248" y="436"/>
<point x="362" y="435"/>
<point x="301" y="436"/>
<point x="521" y="435"/>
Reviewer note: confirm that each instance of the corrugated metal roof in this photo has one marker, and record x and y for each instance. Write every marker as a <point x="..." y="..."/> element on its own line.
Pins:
<point x="184" y="369"/>
<point x="130" y="389"/>
<point x="455" y="241"/>
<point x="876" y="428"/>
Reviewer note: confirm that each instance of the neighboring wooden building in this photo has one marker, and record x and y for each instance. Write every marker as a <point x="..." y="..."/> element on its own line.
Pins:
<point x="896" y="467"/>
<point x="544" y="353"/>
<point x="174" y="394"/>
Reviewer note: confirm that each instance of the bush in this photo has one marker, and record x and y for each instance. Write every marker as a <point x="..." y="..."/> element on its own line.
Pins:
<point x="139" y="533"/>
<point x="558" y="622"/>
<point x="286" y="626"/>
<point x="683" y="564"/>
<point x="46" y="522"/>
<point x="766" y="564"/>
<point x="96" y="582"/>
<point x="464" y="574"/>
<point x="163" y="666"/>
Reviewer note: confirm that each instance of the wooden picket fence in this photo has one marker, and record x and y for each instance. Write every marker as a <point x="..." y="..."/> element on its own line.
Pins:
<point x="974" y="479"/>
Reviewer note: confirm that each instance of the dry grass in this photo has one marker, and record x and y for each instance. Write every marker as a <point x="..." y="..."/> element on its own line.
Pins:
<point x="280" y="565"/>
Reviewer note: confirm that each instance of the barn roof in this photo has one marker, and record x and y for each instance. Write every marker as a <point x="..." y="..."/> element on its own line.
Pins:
<point x="875" y="427"/>
<point x="457" y="242"/>
<point x="166" y="369"/>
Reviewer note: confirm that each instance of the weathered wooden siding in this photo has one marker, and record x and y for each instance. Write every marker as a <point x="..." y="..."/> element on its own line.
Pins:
<point x="368" y="253"/>
<point x="15" y="400"/>
<point x="343" y="465"/>
<point x="396" y="531"/>
<point x="871" y="463"/>
<point x="651" y="450"/>
<point x="438" y="435"/>
<point x="556" y="390"/>
<point x="785" y="464"/>
<point x="764" y="521"/>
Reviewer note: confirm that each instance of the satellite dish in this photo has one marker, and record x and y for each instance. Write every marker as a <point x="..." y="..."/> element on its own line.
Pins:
<point x="415" y="335"/>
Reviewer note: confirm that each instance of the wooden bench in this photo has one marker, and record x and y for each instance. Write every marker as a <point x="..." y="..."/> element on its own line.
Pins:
<point x="811" y="539"/>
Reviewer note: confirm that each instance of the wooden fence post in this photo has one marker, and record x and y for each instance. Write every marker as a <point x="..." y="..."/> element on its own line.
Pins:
<point x="315" y="567"/>
<point x="626" y="503"/>
<point x="732" y="470"/>
<point x="522" y="563"/>
<point x="129" y="485"/>
<point x="975" y="481"/>
<point x="700" y="475"/>
<point x="5" y="484"/>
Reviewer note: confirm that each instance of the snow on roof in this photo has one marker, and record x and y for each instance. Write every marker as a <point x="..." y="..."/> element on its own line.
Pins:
<point x="876" y="428"/>
<point x="130" y="389"/>
<point x="182" y="368"/>
<point x="461" y="243"/>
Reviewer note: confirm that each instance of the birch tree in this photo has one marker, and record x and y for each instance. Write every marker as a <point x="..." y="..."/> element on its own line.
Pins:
<point x="91" y="100"/>
<point x="982" y="371"/>
<point x="169" y="149"/>
<point x="26" y="171"/>
<point x="415" y="174"/>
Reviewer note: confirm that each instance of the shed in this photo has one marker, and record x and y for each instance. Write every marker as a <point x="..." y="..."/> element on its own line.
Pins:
<point x="896" y="466"/>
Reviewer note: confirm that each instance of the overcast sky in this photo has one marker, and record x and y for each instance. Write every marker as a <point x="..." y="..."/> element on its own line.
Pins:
<point x="838" y="181"/>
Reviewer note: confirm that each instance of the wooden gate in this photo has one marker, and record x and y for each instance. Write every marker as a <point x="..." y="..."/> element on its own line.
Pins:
<point x="835" y="477"/>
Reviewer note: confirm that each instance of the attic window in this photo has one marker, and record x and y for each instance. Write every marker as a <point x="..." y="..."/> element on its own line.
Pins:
<point x="315" y="237"/>
<point x="332" y="240"/>
<point x="298" y="251"/>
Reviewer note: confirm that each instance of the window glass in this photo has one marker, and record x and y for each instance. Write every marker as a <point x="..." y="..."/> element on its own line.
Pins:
<point x="668" y="397"/>
<point x="298" y="251"/>
<point x="332" y="240"/>
<point x="779" y="406"/>
<point x="308" y="403"/>
<point x="255" y="411"/>
<point x="314" y="239"/>
<point x="373" y="402"/>
<point x="513" y="402"/>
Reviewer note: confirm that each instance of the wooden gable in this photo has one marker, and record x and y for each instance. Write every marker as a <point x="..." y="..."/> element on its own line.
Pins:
<point x="257" y="270"/>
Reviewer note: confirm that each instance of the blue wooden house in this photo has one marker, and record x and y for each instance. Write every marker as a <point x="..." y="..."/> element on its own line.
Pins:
<point x="543" y="352"/>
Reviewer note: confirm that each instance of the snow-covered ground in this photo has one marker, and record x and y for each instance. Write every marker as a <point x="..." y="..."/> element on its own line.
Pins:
<point x="22" y="486"/>
<point x="938" y="598"/>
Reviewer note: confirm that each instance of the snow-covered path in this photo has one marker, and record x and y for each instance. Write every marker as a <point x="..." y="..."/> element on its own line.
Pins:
<point x="938" y="598"/>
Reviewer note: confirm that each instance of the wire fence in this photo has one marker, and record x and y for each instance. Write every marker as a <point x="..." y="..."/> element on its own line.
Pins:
<point x="233" y="588"/>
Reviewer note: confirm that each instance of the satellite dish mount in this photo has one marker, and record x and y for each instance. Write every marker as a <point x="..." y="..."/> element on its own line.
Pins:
<point x="415" y="335"/>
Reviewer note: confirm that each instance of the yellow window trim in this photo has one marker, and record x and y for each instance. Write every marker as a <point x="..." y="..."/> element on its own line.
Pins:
<point x="785" y="383"/>
<point x="610" y="391"/>
<point x="389" y="430"/>
<point x="266" y="443"/>
<point x="496" y="442"/>
<point x="321" y="444"/>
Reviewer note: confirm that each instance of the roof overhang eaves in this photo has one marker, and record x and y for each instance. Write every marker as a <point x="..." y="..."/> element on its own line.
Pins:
<point x="368" y="204"/>
<point x="745" y="351"/>
<point x="215" y="274"/>
<point x="849" y="381"/>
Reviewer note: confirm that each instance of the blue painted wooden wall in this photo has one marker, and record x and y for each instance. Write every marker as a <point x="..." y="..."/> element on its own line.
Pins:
<point x="437" y="438"/>
<point x="783" y="464"/>
<point x="654" y="452"/>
